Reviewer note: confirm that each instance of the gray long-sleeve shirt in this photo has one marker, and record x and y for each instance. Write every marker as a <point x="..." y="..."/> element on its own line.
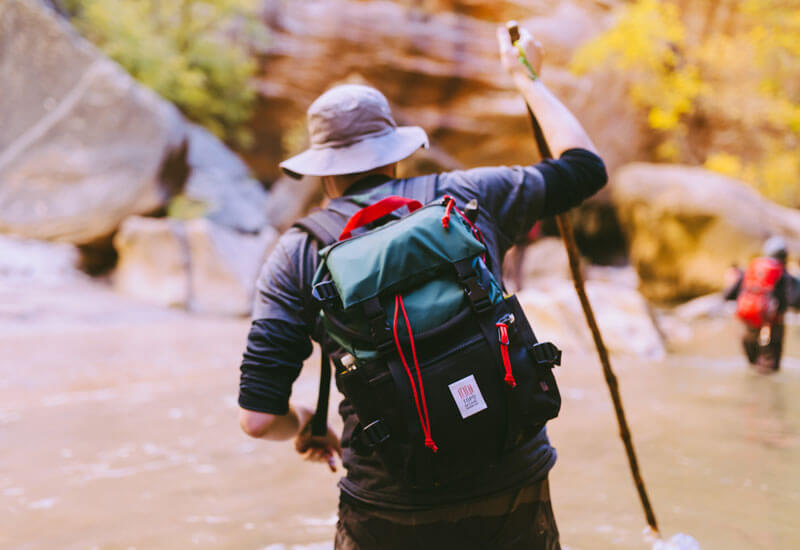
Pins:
<point x="511" y="200"/>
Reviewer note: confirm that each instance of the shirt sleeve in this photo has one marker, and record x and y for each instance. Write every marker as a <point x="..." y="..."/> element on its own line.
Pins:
<point x="279" y="339"/>
<point x="517" y="197"/>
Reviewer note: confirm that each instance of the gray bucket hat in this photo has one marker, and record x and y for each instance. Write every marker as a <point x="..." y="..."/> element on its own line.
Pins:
<point x="352" y="130"/>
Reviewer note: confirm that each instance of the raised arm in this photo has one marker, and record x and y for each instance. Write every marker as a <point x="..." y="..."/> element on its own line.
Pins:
<point x="560" y="127"/>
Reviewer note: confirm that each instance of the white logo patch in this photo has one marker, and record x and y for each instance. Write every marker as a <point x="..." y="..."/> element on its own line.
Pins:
<point x="468" y="396"/>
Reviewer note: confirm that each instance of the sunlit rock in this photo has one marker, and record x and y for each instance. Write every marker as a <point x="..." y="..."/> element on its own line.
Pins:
<point x="547" y="257"/>
<point x="197" y="265"/>
<point x="622" y="314"/>
<point x="437" y="63"/>
<point x="686" y="227"/>
<point x="224" y="266"/>
<point x="153" y="261"/>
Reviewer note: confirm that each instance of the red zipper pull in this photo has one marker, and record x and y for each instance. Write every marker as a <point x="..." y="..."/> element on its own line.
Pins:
<point x="446" y="218"/>
<point x="502" y="333"/>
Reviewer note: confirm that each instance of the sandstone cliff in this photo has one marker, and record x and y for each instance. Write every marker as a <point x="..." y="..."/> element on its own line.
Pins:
<point x="437" y="63"/>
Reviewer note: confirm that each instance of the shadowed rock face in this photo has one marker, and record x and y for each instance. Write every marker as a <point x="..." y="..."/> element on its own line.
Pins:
<point x="222" y="181"/>
<point x="686" y="226"/>
<point x="84" y="145"/>
<point x="439" y="70"/>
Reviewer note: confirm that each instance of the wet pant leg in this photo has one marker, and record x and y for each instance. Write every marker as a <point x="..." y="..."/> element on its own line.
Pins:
<point x="770" y="355"/>
<point x="750" y="344"/>
<point x="521" y="519"/>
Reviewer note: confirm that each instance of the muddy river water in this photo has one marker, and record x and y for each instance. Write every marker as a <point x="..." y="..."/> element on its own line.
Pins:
<point x="119" y="431"/>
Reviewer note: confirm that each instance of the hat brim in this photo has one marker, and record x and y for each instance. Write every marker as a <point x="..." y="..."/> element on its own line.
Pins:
<point x="365" y="155"/>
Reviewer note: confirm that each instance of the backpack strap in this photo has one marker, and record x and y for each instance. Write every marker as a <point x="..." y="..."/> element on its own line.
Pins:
<point x="324" y="226"/>
<point x="319" y="422"/>
<point x="423" y="188"/>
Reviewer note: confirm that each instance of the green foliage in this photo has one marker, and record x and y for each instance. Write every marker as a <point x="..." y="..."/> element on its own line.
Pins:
<point x="182" y="207"/>
<point x="719" y="83"/>
<point x="191" y="52"/>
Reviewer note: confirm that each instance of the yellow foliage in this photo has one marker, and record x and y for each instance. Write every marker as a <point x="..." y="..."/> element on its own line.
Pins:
<point x="725" y="163"/>
<point x="642" y="39"/>
<point x="182" y="207"/>
<point x="778" y="176"/>
<point x="723" y="91"/>
<point x="668" y="151"/>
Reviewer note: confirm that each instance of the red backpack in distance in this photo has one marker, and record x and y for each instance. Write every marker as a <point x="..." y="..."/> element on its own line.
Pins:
<point x="756" y="305"/>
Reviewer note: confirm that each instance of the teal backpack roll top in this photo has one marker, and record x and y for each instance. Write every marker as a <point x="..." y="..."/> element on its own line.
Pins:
<point x="443" y="371"/>
<point x="413" y="256"/>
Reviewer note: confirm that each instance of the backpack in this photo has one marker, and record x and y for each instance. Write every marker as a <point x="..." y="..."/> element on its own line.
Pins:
<point x="442" y="370"/>
<point x="756" y="304"/>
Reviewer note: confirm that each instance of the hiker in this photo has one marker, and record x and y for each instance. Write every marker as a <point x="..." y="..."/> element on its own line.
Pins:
<point x="763" y="293"/>
<point x="355" y="147"/>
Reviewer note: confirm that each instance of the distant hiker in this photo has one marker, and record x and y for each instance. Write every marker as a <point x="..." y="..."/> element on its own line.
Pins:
<point x="763" y="293"/>
<point x="452" y="453"/>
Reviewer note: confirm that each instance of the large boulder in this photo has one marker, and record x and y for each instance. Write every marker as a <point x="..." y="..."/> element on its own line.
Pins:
<point x="439" y="69"/>
<point x="197" y="265"/>
<point x="224" y="266"/>
<point x="622" y="313"/>
<point x="153" y="263"/>
<point x="83" y="145"/>
<point x="686" y="226"/>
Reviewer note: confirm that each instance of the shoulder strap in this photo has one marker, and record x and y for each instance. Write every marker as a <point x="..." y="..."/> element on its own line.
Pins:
<point x="319" y="422"/>
<point x="422" y="188"/>
<point x="323" y="225"/>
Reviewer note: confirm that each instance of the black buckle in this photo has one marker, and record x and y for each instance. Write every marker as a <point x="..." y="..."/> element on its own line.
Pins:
<point x="476" y="294"/>
<point x="546" y="354"/>
<point x="325" y="292"/>
<point x="385" y="346"/>
<point x="471" y="211"/>
<point x="375" y="433"/>
<point x="379" y="331"/>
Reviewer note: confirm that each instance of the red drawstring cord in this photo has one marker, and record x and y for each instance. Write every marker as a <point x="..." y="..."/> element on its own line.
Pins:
<point x="502" y="331"/>
<point x="451" y="205"/>
<point x="446" y="218"/>
<point x="475" y="230"/>
<point x="425" y="422"/>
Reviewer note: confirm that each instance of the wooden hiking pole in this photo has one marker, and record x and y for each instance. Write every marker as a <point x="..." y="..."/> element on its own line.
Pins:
<point x="565" y="227"/>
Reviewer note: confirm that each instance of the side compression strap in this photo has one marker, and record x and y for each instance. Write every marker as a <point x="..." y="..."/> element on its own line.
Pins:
<point x="324" y="226"/>
<point x="319" y="422"/>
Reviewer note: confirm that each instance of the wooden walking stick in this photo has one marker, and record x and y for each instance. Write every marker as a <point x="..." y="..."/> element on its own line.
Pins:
<point x="565" y="227"/>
